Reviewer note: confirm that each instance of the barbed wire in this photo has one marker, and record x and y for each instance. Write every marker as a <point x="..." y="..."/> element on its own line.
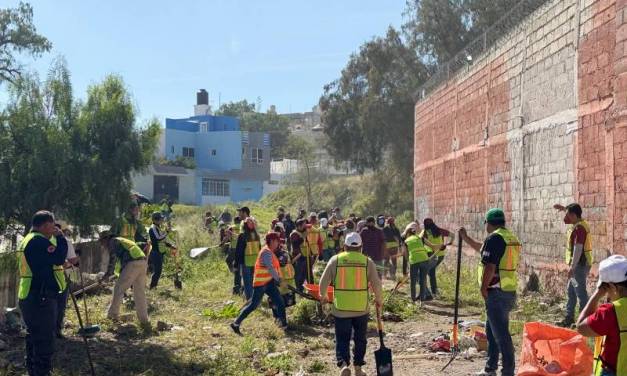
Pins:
<point x="470" y="53"/>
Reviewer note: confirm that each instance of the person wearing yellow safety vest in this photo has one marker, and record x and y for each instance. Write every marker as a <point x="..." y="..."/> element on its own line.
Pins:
<point x="300" y="253"/>
<point x="287" y="274"/>
<point x="40" y="257"/>
<point x="498" y="280"/>
<point x="231" y="238"/>
<point x="608" y="320"/>
<point x="129" y="226"/>
<point x="328" y="243"/>
<point x="578" y="257"/>
<point x="314" y="238"/>
<point x="267" y="277"/>
<point x="160" y="246"/>
<point x="435" y="235"/>
<point x="71" y="260"/>
<point x="419" y="262"/>
<point x="247" y="250"/>
<point x="351" y="274"/>
<point x="132" y="273"/>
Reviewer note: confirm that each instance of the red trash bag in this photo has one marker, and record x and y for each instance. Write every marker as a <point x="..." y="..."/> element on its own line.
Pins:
<point x="551" y="351"/>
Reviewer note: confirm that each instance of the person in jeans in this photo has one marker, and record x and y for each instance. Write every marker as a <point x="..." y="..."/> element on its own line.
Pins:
<point x="578" y="258"/>
<point x="246" y="251"/>
<point x="351" y="272"/>
<point x="392" y="236"/>
<point x="419" y="263"/>
<point x="435" y="235"/>
<point x="231" y="238"/>
<point x="160" y="246"/>
<point x="608" y="320"/>
<point x="374" y="243"/>
<point x="498" y="278"/>
<point x="267" y="276"/>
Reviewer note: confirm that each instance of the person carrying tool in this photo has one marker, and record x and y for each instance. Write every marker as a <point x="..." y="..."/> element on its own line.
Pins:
<point x="374" y="243"/>
<point x="419" y="263"/>
<point x="71" y="261"/>
<point x="351" y="273"/>
<point x="392" y="236"/>
<point x="246" y="252"/>
<point x="232" y="235"/>
<point x="267" y="276"/>
<point x="299" y="252"/>
<point x="578" y="258"/>
<point x="160" y="246"/>
<point x="435" y="236"/>
<point x="328" y="244"/>
<point x="40" y="257"/>
<point x="132" y="273"/>
<point x="287" y="274"/>
<point x="498" y="278"/>
<point x="211" y="222"/>
<point x="608" y="320"/>
<point x="129" y="227"/>
<point x="314" y="238"/>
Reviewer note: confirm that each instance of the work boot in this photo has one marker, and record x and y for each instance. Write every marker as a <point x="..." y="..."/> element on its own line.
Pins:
<point x="235" y="328"/>
<point x="359" y="372"/>
<point x="345" y="371"/>
<point x="566" y="323"/>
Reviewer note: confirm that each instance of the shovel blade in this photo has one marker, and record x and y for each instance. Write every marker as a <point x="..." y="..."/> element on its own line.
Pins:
<point x="195" y="252"/>
<point x="383" y="359"/>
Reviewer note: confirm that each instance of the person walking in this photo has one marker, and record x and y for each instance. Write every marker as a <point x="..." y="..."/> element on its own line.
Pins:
<point x="608" y="320"/>
<point x="248" y="247"/>
<point x="232" y="237"/>
<point x="373" y="243"/>
<point x="71" y="261"/>
<point x="267" y="275"/>
<point x="419" y="263"/>
<point x="392" y="236"/>
<point x="40" y="258"/>
<point x="578" y="258"/>
<point x="300" y="253"/>
<point x="498" y="278"/>
<point x="351" y="273"/>
<point x="435" y="235"/>
<point x="160" y="246"/>
<point x="289" y="226"/>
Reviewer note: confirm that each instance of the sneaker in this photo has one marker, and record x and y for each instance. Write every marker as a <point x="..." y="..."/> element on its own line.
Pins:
<point x="486" y="372"/>
<point x="428" y="298"/>
<point x="345" y="371"/>
<point x="359" y="372"/>
<point x="566" y="323"/>
<point x="235" y="328"/>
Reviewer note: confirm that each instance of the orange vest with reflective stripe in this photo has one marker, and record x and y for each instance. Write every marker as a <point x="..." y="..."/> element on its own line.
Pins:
<point x="262" y="274"/>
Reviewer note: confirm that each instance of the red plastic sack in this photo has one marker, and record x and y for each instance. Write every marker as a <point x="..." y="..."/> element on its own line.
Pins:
<point x="551" y="351"/>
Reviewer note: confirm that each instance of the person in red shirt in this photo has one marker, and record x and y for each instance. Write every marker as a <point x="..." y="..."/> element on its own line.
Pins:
<point x="608" y="320"/>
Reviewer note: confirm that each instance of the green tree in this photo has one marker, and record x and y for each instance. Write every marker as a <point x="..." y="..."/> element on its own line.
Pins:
<point x="18" y="36"/>
<point x="70" y="157"/>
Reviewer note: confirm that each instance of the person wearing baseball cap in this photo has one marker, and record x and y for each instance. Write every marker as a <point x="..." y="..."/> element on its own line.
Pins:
<point x="351" y="272"/>
<point x="498" y="278"/>
<point x="161" y="246"/>
<point x="608" y="322"/>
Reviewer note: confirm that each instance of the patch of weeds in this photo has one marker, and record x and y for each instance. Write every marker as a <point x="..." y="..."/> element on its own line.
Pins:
<point x="247" y="346"/>
<point x="316" y="366"/>
<point x="304" y="312"/>
<point x="400" y="306"/>
<point x="229" y="311"/>
<point x="223" y="363"/>
<point x="271" y="346"/>
<point x="469" y="292"/>
<point x="280" y="363"/>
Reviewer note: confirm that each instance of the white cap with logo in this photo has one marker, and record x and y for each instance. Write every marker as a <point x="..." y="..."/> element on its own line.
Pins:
<point x="352" y="240"/>
<point x="613" y="269"/>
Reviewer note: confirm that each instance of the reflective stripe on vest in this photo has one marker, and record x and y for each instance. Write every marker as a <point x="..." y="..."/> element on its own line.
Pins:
<point x="416" y="249"/>
<point x="351" y="282"/>
<point x="262" y="274"/>
<point x="251" y="252"/>
<point x="508" y="265"/>
<point x="620" y="308"/>
<point x="26" y="274"/>
<point x="435" y="240"/>
<point x="132" y="248"/>
<point x="587" y="247"/>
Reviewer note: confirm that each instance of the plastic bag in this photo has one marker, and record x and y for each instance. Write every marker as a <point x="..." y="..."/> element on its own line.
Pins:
<point x="551" y="351"/>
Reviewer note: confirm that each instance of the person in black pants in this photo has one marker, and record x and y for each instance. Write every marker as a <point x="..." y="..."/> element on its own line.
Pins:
<point x="160" y="245"/>
<point x="41" y="256"/>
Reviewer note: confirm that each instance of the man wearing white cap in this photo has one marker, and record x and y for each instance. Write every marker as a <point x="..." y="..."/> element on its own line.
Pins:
<point x="351" y="272"/>
<point x="608" y="320"/>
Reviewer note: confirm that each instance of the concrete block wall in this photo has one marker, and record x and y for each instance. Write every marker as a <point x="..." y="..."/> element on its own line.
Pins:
<point x="539" y="119"/>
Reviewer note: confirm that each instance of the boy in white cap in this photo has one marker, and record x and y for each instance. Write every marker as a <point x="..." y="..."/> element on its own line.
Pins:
<point x="608" y="320"/>
<point x="351" y="273"/>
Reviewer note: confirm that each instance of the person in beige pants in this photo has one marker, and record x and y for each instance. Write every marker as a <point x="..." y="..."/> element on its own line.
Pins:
<point x="132" y="265"/>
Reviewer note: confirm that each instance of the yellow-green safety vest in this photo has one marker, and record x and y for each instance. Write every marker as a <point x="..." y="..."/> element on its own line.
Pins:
<point x="351" y="282"/>
<point x="508" y="266"/>
<point x="252" y="251"/>
<point x="587" y="247"/>
<point x="128" y="229"/>
<point x="436" y="241"/>
<point x="26" y="274"/>
<point x="132" y="248"/>
<point x="620" y="308"/>
<point x="234" y="234"/>
<point x="311" y="242"/>
<point x="416" y="249"/>
<point x="327" y="240"/>
<point x="161" y="243"/>
<point x="288" y="275"/>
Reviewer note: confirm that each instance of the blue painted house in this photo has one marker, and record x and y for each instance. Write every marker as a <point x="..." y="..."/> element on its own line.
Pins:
<point x="231" y="165"/>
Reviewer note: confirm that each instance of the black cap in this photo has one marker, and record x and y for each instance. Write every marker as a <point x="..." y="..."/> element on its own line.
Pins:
<point x="244" y="209"/>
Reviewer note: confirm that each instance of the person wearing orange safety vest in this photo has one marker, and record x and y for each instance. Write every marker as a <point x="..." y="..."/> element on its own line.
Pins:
<point x="266" y="278"/>
<point x="498" y="279"/>
<point x="578" y="258"/>
<point x="608" y="322"/>
<point x="351" y="274"/>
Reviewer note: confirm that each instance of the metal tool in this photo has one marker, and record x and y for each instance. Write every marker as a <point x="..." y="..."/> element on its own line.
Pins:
<point x="455" y="339"/>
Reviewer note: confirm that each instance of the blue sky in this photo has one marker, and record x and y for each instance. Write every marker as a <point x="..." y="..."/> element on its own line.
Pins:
<point x="280" y="50"/>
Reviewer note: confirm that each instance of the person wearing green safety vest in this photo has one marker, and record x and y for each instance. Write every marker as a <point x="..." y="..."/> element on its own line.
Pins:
<point x="129" y="226"/>
<point x="352" y="274"/>
<point x="578" y="257"/>
<point x="328" y="244"/>
<point x="498" y="280"/>
<point x="608" y="322"/>
<point x="419" y="262"/>
<point x="248" y="247"/>
<point x="40" y="258"/>
<point x="231" y="238"/>
<point x="436" y="236"/>
<point x="132" y="273"/>
<point x="161" y="246"/>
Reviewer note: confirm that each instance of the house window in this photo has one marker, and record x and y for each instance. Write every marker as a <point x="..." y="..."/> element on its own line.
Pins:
<point x="188" y="152"/>
<point x="215" y="187"/>
<point x="257" y="155"/>
<point x="172" y="149"/>
<point x="243" y="153"/>
<point x="203" y="127"/>
<point x="213" y="152"/>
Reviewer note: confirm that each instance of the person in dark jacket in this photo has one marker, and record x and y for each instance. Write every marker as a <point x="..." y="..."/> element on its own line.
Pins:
<point x="392" y="236"/>
<point x="289" y="226"/>
<point x="160" y="246"/>
<point x="248" y="246"/>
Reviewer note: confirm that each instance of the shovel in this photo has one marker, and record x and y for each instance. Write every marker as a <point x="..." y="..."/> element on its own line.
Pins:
<point x="178" y="284"/>
<point x="383" y="356"/>
<point x="88" y="330"/>
<point x="82" y="333"/>
<point x="455" y="344"/>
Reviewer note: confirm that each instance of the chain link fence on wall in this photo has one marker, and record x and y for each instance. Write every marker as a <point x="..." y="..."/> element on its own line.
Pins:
<point x="469" y="54"/>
